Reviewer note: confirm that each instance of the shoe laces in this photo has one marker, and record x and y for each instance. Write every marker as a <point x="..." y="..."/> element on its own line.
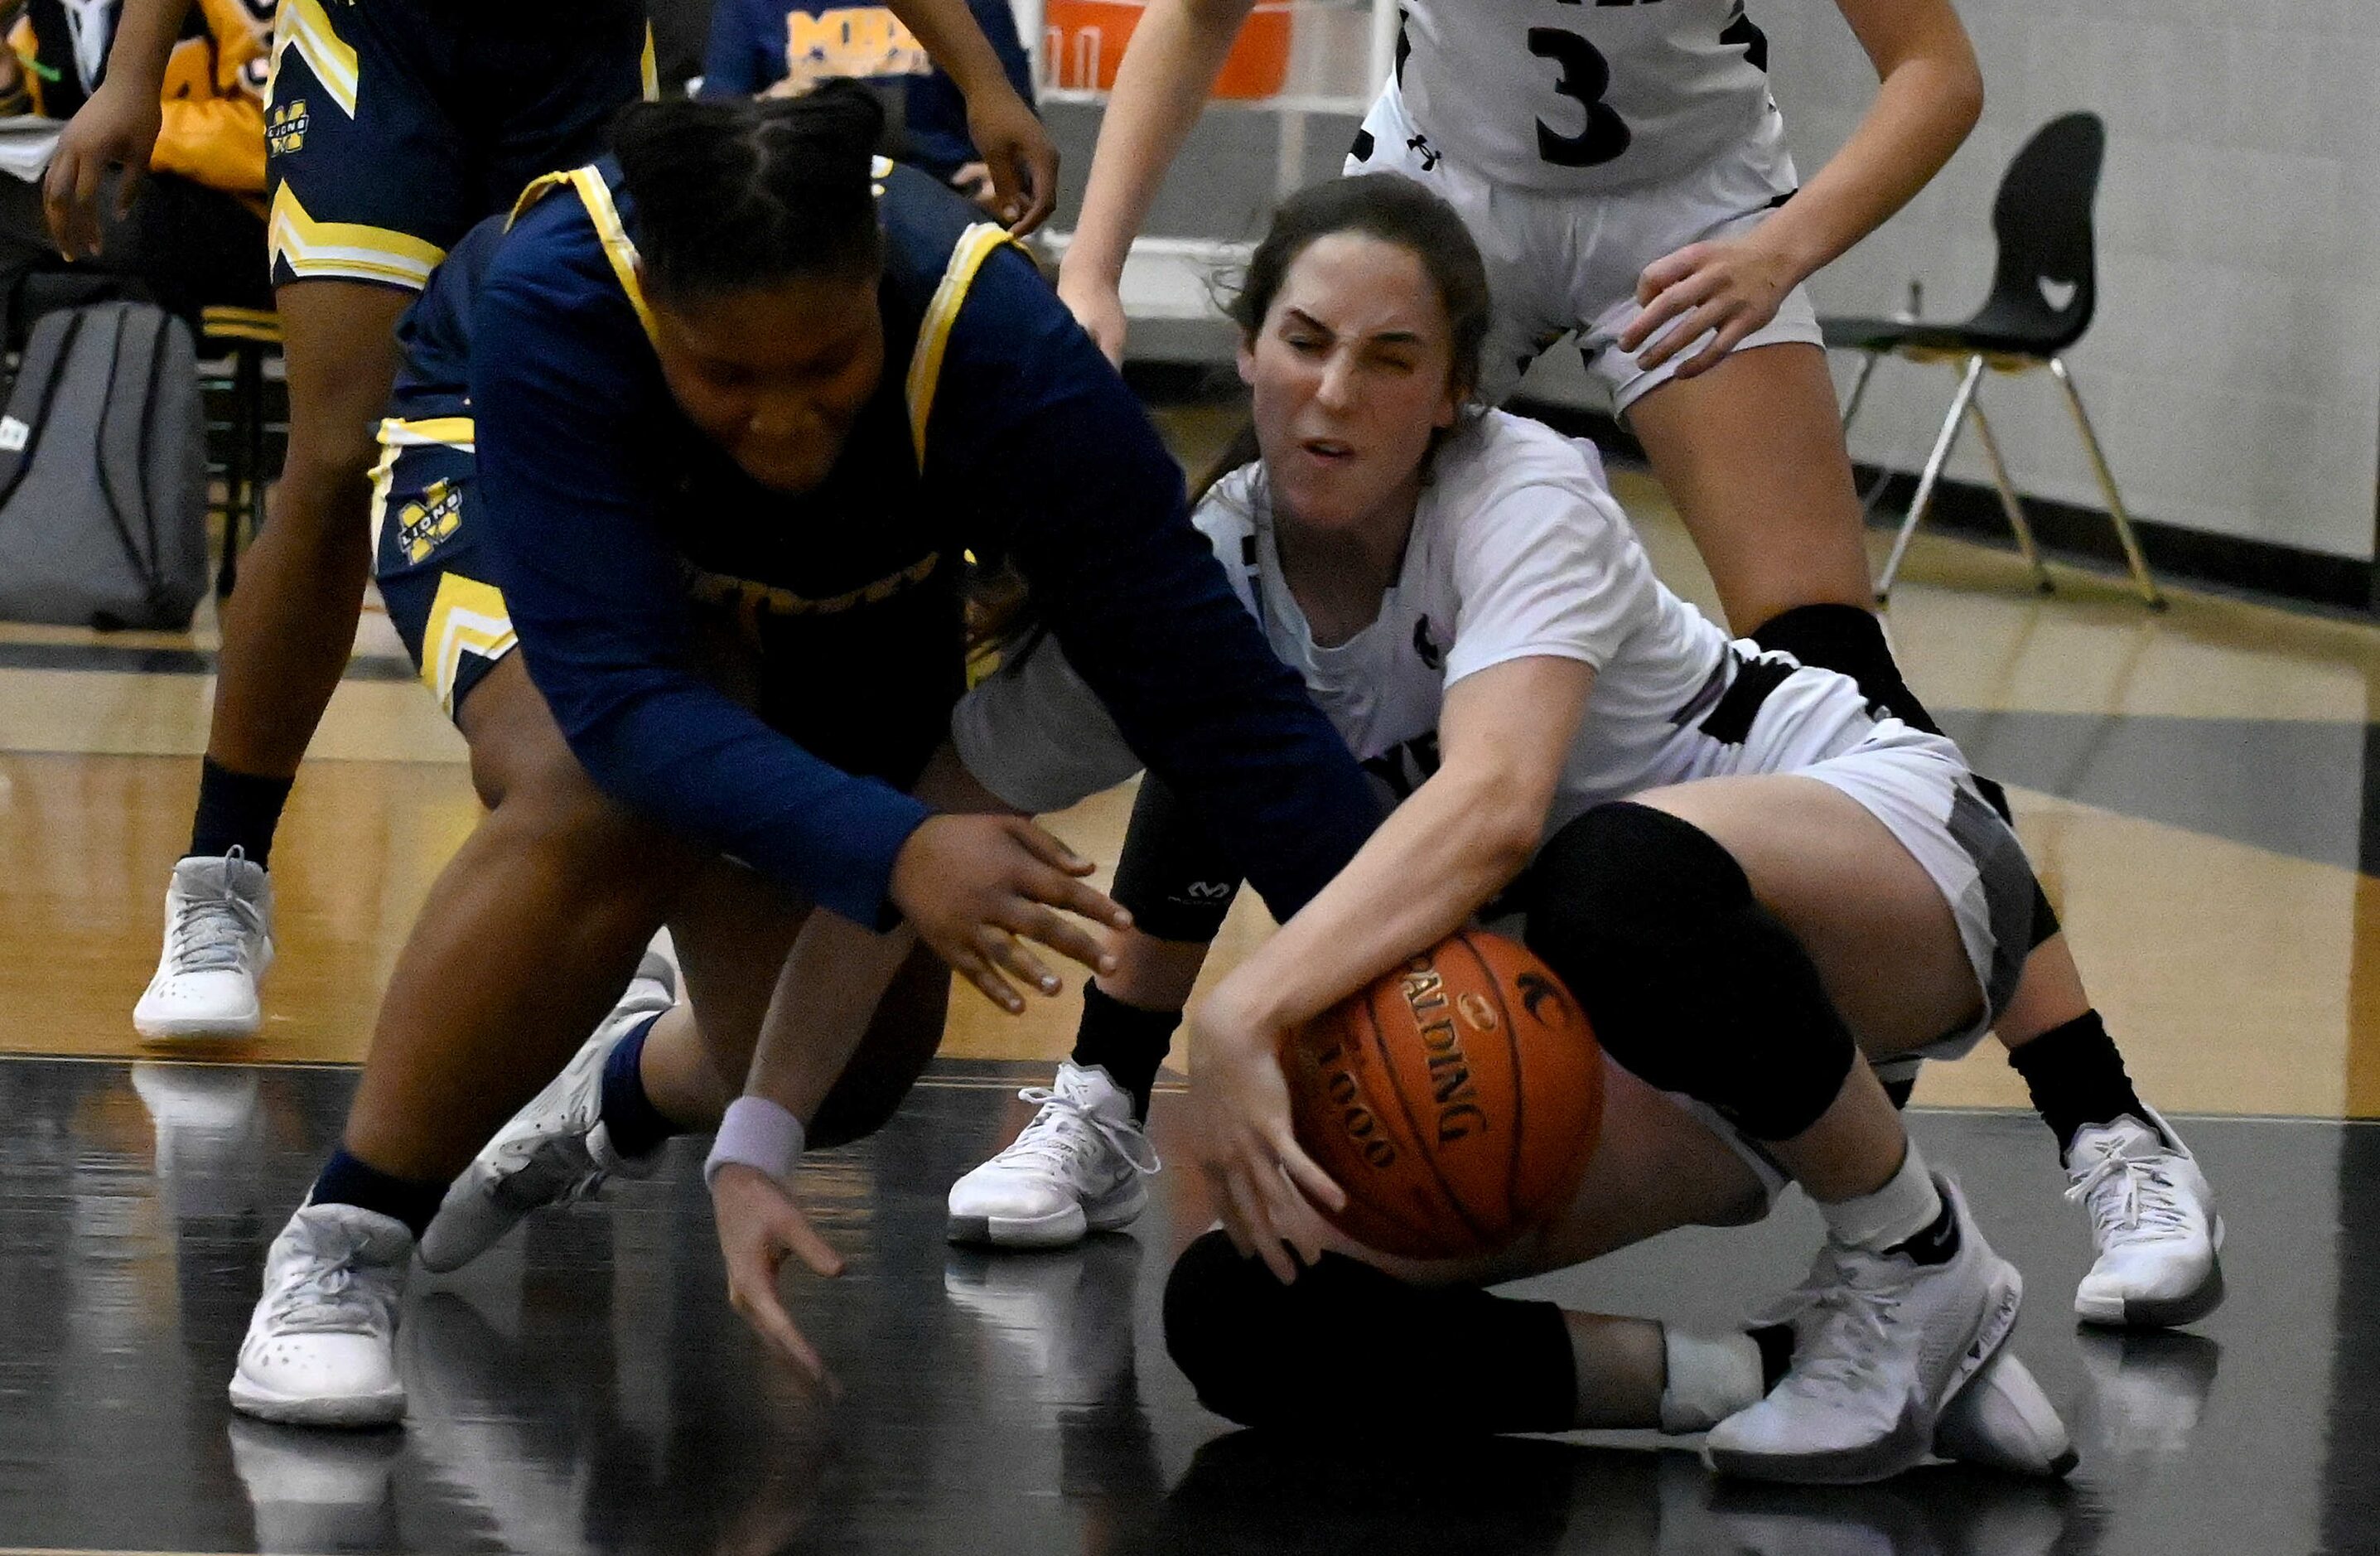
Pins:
<point x="2132" y="1194"/>
<point x="212" y="933"/>
<point x="1840" y="1315"/>
<point x="326" y="1295"/>
<point x="1066" y="1130"/>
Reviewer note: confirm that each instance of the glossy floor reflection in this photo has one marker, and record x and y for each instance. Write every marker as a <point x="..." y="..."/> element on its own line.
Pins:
<point x="585" y="1389"/>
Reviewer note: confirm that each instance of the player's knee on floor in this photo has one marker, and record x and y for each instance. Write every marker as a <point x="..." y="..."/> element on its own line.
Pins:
<point x="1314" y="1352"/>
<point x="1689" y="982"/>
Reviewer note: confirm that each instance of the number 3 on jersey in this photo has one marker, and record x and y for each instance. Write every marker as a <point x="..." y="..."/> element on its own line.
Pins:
<point x="1586" y="77"/>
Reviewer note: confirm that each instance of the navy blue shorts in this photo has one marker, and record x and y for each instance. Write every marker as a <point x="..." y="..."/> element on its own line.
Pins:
<point x="393" y="126"/>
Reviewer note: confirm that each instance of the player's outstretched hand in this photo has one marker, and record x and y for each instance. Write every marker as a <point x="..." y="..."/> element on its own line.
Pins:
<point x="1098" y="306"/>
<point x="1245" y="1146"/>
<point x="1010" y="137"/>
<point x="759" y="1227"/>
<point x="113" y="129"/>
<point x="975" y="887"/>
<point x="1731" y="284"/>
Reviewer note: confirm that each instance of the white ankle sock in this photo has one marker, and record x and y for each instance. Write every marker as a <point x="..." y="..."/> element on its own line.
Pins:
<point x="1709" y="1378"/>
<point x="1905" y="1206"/>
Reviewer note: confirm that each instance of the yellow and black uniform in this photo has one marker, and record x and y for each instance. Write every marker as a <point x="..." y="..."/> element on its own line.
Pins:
<point x="539" y="484"/>
<point x="391" y="125"/>
<point x="212" y="131"/>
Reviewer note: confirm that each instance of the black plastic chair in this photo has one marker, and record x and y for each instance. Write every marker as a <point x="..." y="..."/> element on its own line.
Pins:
<point x="2044" y="291"/>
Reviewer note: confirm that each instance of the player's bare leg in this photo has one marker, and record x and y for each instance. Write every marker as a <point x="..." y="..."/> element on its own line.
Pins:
<point x="1751" y="453"/>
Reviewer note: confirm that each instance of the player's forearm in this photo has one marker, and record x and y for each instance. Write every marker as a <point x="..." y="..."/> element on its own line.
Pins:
<point x="1177" y="51"/>
<point x="145" y="34"/>
<point x="826" y="998"/>
<point x="1455" y="845"/>
<point x="1926" y="102"/>
<point x="955" y="41"/>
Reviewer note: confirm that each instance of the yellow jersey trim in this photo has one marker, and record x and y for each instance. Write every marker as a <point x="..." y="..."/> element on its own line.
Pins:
<point x="468" y="616"/>
<point x="345" y="249"/>
<point x="974" y="247"/>
<point x="306" y="27"/>
<point x="445" y="432"/>
<point x="605" y="215"/>
<point x="649" y="70"/>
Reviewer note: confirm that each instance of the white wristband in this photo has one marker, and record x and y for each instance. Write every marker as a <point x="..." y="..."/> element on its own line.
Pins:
<point x="757" y="1133"/>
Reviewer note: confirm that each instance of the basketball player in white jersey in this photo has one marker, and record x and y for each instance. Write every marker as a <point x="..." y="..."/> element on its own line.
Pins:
<point x="1746" y="873"/>
<point x="1623" y="169"/>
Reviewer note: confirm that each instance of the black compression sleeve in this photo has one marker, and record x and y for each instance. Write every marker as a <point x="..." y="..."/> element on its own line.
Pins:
<point x="1176" y="882"/>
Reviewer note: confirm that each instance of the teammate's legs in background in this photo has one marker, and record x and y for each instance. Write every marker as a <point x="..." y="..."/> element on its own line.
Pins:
<point x="1751" y="453"/>
<point x="287" y="631"/>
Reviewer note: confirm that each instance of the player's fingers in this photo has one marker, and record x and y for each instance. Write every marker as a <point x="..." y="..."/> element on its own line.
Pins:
<point x="1219" y="1190"/>
<point x="1673" y="301"/>
<point x="127" y="189"/>
<point x="1075" y="896"/>
<point x="1307" y="1174"/>
<point x="1012" y="956"/>
<point x="989" y="984"/>
<point x="795" y="1232"/>
<point x="80" y="238"/>
<point x="1730" y="335"/>
<point x="1049" y="848"/>
<point x="1065" y="937"/>
<point x="1249" y="1194"/>
<point x="1682" y="334"/>
<point x="1666" y="272"/>
<point x="1041" y="159"/>
<point x="761" y="1307"/>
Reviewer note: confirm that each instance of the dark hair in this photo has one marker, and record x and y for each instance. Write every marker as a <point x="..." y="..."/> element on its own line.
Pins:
<point x="734" y="193"/>
<point x="1394" y="209"/>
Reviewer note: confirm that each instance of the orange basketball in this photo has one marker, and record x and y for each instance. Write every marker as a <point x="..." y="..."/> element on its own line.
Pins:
<point x="1456" y="1099"/>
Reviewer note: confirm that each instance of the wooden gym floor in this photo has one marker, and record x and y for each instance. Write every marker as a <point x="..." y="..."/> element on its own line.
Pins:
<point x="2195" y="788"/>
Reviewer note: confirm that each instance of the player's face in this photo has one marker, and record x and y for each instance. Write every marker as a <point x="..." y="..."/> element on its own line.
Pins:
<point x="1350" y="374"/>
<point x="775" y="375"/>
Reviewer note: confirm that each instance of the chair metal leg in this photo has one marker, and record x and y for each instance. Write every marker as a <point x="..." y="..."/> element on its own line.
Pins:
<point x="2132" y="557"/>
<point x="2010" y="503"/>
<point x="1926" y="483"/>
<point x="1868" y="361"/>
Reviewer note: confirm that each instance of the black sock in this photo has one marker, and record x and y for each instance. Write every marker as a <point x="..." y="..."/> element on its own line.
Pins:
<point x="2077" y="1078"/>
<point x="1129" y="1043"/>
<point x="346" y="1181"/>
<point x="636" y="1127"/>
<point x="236" y="810"/>
<point x="1776" y="1343"/>
<point x="1938" y="1243"/>
<point x="1850" y="641"/>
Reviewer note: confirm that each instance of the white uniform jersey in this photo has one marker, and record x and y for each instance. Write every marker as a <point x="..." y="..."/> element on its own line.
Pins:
<point x="1585" y="95"/>
<point x="1518" y="549"/>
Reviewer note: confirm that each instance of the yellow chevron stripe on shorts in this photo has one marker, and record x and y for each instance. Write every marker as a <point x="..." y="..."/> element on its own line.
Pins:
<point x="975" y="246"/>
<point x="468" y="616"/>
<point x="303" y="25"/>
<point x="649" y="70"/>
<point x="345" y="251"/>
<point x="396" y="435"/>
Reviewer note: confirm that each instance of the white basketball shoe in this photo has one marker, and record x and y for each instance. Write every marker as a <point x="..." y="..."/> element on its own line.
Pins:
<point x="1076" y="1169"/>
<point x="1882" y="1344"/>
<point x="218" y="944"/>
<point x="2152" y="1223"/>
<point x="321" y="1347"/>
<point x="555" y="1149"/>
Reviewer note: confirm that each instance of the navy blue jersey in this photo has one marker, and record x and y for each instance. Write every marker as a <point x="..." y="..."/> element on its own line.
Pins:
<point x="757" y="43"/>
<point x="999" y="427"/>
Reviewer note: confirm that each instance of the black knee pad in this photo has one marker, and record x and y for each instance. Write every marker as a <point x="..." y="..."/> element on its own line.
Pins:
<point x="1688" y="980"/>
<point x="1354" y="1348"/>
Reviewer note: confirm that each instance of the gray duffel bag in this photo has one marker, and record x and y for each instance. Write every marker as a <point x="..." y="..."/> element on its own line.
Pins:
<point x="102" y="472"/>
